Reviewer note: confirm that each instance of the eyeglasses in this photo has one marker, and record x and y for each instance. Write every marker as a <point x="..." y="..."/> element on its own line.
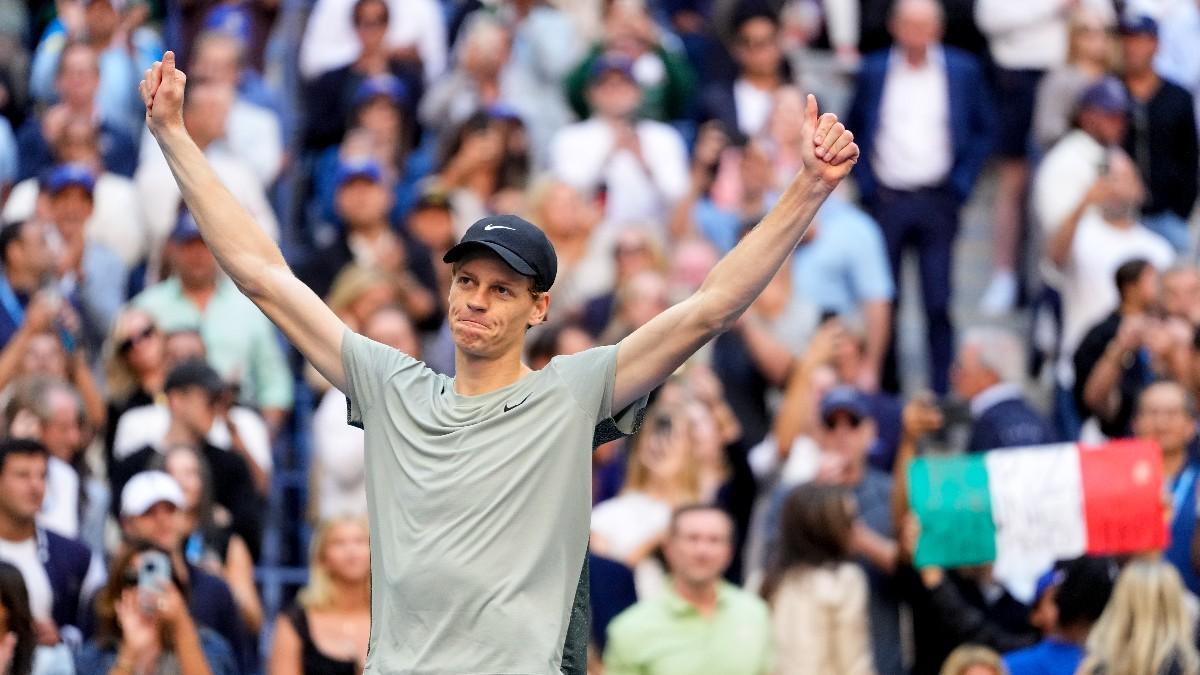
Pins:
<point x="833" y="421"/>
<point x="132" y="341"/>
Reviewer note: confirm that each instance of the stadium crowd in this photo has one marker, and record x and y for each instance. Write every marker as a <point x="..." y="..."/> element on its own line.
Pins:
<point x="759" y="521"/>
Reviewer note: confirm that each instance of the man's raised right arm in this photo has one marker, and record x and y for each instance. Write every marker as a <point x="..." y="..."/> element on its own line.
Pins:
<point x="251" y="258"/>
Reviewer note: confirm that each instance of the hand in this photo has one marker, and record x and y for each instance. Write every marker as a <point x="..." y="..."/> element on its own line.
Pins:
<point x="47" y="633"/>
<point x="710" y="142"/>
<point x="832" y="469"/>
<point x="139" y="628"/>
<point x="162" y="92"/>
<point x="626" y="138"/>
<point x="868" y="379"/>
<point x="1131" y="333"/>
<point x="832" y="153"/>
<point x="705" y="386"/>
<point x="170" y="607"/>
<point x="1099" y="191"/>
<point x="43" y="309"/>
<point x="25" y="424"/>
<point x="8" y="645"/>
<point x="54" y="121"/>
<point x="920" y="418"/>
<point x="823" y="345"/>
<point x="910" y="533"/>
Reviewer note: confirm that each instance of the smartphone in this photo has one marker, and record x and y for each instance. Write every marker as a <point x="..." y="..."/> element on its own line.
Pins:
<point x="154" y="573"/>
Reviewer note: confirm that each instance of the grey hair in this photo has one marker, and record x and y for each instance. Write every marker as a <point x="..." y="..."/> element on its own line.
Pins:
<point x="1000" y="351"/>
<point x="901" y="5"/>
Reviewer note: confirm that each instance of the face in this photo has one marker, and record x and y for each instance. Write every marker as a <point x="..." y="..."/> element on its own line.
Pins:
<point x="391" y="328"/>
<point x="573" y="340"/>
<point x="78" y="77"/>
<point x="490" y="306"/>
<point x="161" y="525"/>
<point x="217" y="61"/>
<point x="194" y="263"/>
<point x="362" y="203"/>
<point x="561" y="211"/>
<point x="969" y="376"/>
<point x="757" y="49"/>
<point x="1044" y="615"/>
<point x="1091" y="40"/>
<point x="62" y="431"/>
<point x="194" y="408"/>
<point x="699" y="549"/>
<point x="661" y="458"/>
<point x="381" y="117"/>
<point x="139" y="342"/>
<point x="184" y="467"/>
<point x="1147" y="290"/>
<point x="371" y="299"/>
<point x="77" y="143"/>
<point x="614" y="95"/>
<point x="633" y="254"/>
<point x="1106" y="127"/>
<point x="70" y="208"/>
<point x="100" y="19"/>
<point x="45" y="356"/>
<point x="370" y="25"/>
<point x="980" y="669"/>
<point x="346" y="555"/>
<point x="1181" y="294"/>
<point x="207" y="109"/>
<point x="847" y="438"/>
<point x="1137" y="52"/>
<point x="433" y="227"/>
<point x="917" y="25"/>
<point x="646" y="299"/>
<point x="1162" y="417"/>
<point x="22" y="486"/>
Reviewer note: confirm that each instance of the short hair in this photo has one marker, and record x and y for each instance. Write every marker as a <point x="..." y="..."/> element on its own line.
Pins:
<point x="19" y="446"/>
<point x="1189" y="401"/>
<point x="1128" y="274"/>
<point x="359" y="4"/>
<point x="9" y="234"/>
<point x="1000" y="351"/>
<point x="70" y="46"/>
<point x="680" y="512"/>
<point x="901" y="4"/>
<point x="750" y="11"/>
<point x="210" y="37"/>
<point x="1083" y="593"/>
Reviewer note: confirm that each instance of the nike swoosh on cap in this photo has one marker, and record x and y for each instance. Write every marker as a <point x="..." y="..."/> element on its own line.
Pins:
<point x="489" y="228"/>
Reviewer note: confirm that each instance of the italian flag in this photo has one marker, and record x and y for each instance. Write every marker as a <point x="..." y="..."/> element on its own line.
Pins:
<point x="1025" y="508"/>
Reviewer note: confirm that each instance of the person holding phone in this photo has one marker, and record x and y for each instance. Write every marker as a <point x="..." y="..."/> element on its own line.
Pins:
<point x="143" y="626"/>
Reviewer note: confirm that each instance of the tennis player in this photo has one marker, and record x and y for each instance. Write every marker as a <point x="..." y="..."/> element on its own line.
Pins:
<point x="479" y="485"/>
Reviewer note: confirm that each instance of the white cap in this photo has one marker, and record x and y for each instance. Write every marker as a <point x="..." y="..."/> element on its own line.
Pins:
<point x="148" y="488"/>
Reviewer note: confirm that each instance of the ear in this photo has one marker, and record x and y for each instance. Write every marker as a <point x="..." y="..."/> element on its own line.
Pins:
<point x="541" y="309"/>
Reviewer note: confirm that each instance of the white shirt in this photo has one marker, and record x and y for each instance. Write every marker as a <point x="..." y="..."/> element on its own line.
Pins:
<point x="629" y="520"/>
<point x="60" y="507"/>
<point x="582" y="155"/>
<point x="330" y="42"/>
<point x="338" y="461"/>
<point x="1024" y="33"/>
<point x="24" y="556"/>
<point x="148" y="424"/>
<point x="913" y="146"/>
<point x="254" y="134"/>
<point x="1089" y="293"/>
<point x="753" y="107"/>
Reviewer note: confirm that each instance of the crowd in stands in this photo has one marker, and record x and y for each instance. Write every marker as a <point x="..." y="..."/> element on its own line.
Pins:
<point x="759" y="521"/>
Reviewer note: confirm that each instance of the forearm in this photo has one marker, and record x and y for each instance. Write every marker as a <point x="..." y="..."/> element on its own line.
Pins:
<point x="877" y="315"/>
<point x="1102" y="382"/>
<point x="1059" y="248"/>
<point x="187" y="648"/>
<point x="94" y="406"/>
<point x="792" y="421"/>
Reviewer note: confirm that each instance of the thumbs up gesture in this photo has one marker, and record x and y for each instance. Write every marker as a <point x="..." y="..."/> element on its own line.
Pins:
<point x="832" y="152"/>
<point x="162" y="92"/>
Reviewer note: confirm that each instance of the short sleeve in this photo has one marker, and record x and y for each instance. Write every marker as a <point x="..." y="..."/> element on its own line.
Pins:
<point x="590" y="378"/>
<point x="369" y="365"/>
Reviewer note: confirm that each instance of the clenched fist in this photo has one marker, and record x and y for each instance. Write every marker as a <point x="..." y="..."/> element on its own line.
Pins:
<point x="162" y="92"/>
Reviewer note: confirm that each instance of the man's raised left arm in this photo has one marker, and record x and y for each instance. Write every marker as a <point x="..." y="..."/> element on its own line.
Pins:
<point x="650" y="354"/>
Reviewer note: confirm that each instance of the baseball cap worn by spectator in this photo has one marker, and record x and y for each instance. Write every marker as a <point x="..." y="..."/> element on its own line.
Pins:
<point x="354" y="169"/>
<point x="612" y="63"/>
<point x="385" y="85"/>
<point x="195" y="373"/>
<point x="65" y="176"/>
<point x="146" y="489"/>
<point x="432" y="197"/>
<point x="1107" y="95"/>
<point x="846" y="400"/>
<point x="186" y="229"/>
<point x="518" y="242"/>
<point x="1139" y="25"/>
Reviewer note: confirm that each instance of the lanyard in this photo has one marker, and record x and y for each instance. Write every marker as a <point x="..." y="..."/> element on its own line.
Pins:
<point x="1183" y="486"/>
<point x="12" y="306"/>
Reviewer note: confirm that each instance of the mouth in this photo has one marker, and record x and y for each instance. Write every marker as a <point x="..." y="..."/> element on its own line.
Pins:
<point x="474" y="324"/>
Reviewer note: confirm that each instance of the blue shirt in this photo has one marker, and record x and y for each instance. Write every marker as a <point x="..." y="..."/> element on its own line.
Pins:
<point x="845" y="264"/>
<point x="1048" y="657"/>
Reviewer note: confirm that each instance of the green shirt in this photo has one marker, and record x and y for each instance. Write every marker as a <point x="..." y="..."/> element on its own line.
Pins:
<point x="666" y="635"/>
<point x="242" y="343"/>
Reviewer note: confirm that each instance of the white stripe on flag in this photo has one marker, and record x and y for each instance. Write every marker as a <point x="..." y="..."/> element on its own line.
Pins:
<point x="1037" y="506"/>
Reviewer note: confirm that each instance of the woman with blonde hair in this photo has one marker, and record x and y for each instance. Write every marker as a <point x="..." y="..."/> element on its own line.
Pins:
<point x="973" y="660"/>
<point x="326" y="632"/>
<point x="1147" y="629"/>
<point x="135" y="366"/>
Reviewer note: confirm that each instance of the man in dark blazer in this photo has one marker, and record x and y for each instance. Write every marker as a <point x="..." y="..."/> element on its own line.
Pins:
<point x="988" y="374"/>
<point x="923" y="117"/>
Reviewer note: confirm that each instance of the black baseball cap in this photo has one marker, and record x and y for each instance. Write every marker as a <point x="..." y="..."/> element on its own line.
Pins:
<point x="518" y="242"/>
<point x="195" y="373"/>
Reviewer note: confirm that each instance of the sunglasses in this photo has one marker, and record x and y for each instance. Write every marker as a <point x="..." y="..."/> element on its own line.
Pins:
<point x="130" y="342"/>
<point x="832" y="422"/>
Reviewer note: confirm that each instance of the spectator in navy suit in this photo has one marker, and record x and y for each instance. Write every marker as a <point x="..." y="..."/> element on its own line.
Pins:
<point x="743" y="105"/>
<point x="923" y="118"/>
<point x="988" y="374"/>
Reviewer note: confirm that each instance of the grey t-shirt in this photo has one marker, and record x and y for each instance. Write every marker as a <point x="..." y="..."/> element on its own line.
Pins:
<point x="479" y="509"/>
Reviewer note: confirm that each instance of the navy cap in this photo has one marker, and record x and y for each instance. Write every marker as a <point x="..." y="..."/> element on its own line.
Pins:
<point x="185" y="228"/>
<point x="381" y="85"/>
<point x="611" y="62"/>
<point x="517" y="241"/>
<point x="1108" y="95"/>
<point x="1048" y="580"/>
<point x="195" y="373"/>
<point x="1139" y="24"/>
<point x="70" y="175"/>
<point x="502" y="111"/>
<point x="845" y="399"/>
<point x="358" y="168"/>
<point x="230" y="19"/>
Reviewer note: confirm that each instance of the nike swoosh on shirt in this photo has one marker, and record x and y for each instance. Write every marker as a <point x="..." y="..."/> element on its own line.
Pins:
<point x="489" y="228"/>
<point x="508" y="407"/>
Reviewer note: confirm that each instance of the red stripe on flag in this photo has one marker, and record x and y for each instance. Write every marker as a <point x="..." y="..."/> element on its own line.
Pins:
<point x="1122" y="497"/>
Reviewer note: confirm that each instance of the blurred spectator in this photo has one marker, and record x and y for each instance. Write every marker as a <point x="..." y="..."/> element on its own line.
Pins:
<point x="661" y="74"/>
<point x="634" y="251"/>
<point x="1077" y="594"/>
<point x="116" y="219"/>
<point x="638" y="166"/>
<point x="701" y="624"/>
<point x="989" y="375"/>
<point x="818" y="597"/>
<point x="339" y="472"/>
<point x="569" y="221"/>
<point x="58" y="572"/>
<point x="242" y="344"/>
<point x="1090" y="56"/>
<point x="484" y="166"/>
<point x="250" y="22"/>
<point x="252" y="129"/>
<point x="134" y="368"/>
<point x="119" y="61"/>
<point x="972" y="660"/>
<point x="416" y="31"/>
<point x="1127" y="350"/>
<point x="139" y="629"/>
<point x="192" y="390"/>
<point x="151" y="504"/>
<point x="328" y="628"/>
<point x="77" y="77"/>
<point x="644" y="297"/>
<point x="1147" y="626"/>
<point x="61" y="429"/>
<point x="1176" y="60"/>
<point x="210" y="542"/>
<point x="1166" y="415"/>
<point x="331" y="96"/>
<point x="1181" y="293"/>
<point x="1161" y="136"/>
<point x="28" y="262"/>
<point x="557" y="339"/>
<point x="19" y="644"/>
<point x="923" y="119"/>
<point x="743" y="106"/>
<point x="206" y="109"/>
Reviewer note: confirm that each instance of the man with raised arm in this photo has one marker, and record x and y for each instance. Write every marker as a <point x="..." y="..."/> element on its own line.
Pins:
<point x="478" y="485"/>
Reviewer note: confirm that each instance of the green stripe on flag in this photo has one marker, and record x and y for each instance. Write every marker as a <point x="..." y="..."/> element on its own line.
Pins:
<point x="950" y="496"/>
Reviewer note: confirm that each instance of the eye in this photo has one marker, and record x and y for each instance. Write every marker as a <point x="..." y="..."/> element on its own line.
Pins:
<point x="463" y="280"/>
<point x="504" y="290"/>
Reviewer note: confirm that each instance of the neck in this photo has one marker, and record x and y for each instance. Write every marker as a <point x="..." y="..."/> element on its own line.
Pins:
<point x="664" y="489"/>
<point x="1173" y="461"/>
<point x="916" y="56"/>
<point x="474" y="376"/>
<point x="13" y="529"/>
<point x="153" y="379"/>
<point x="702" y="596"/>
<point x="350" y="596"/>
<point x="1141" y="80"/>
<point x="20" y="280"/>
<point x="1131" y="308"/>
<point x="199" y="293"/>
<point x="764" y="81"/>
